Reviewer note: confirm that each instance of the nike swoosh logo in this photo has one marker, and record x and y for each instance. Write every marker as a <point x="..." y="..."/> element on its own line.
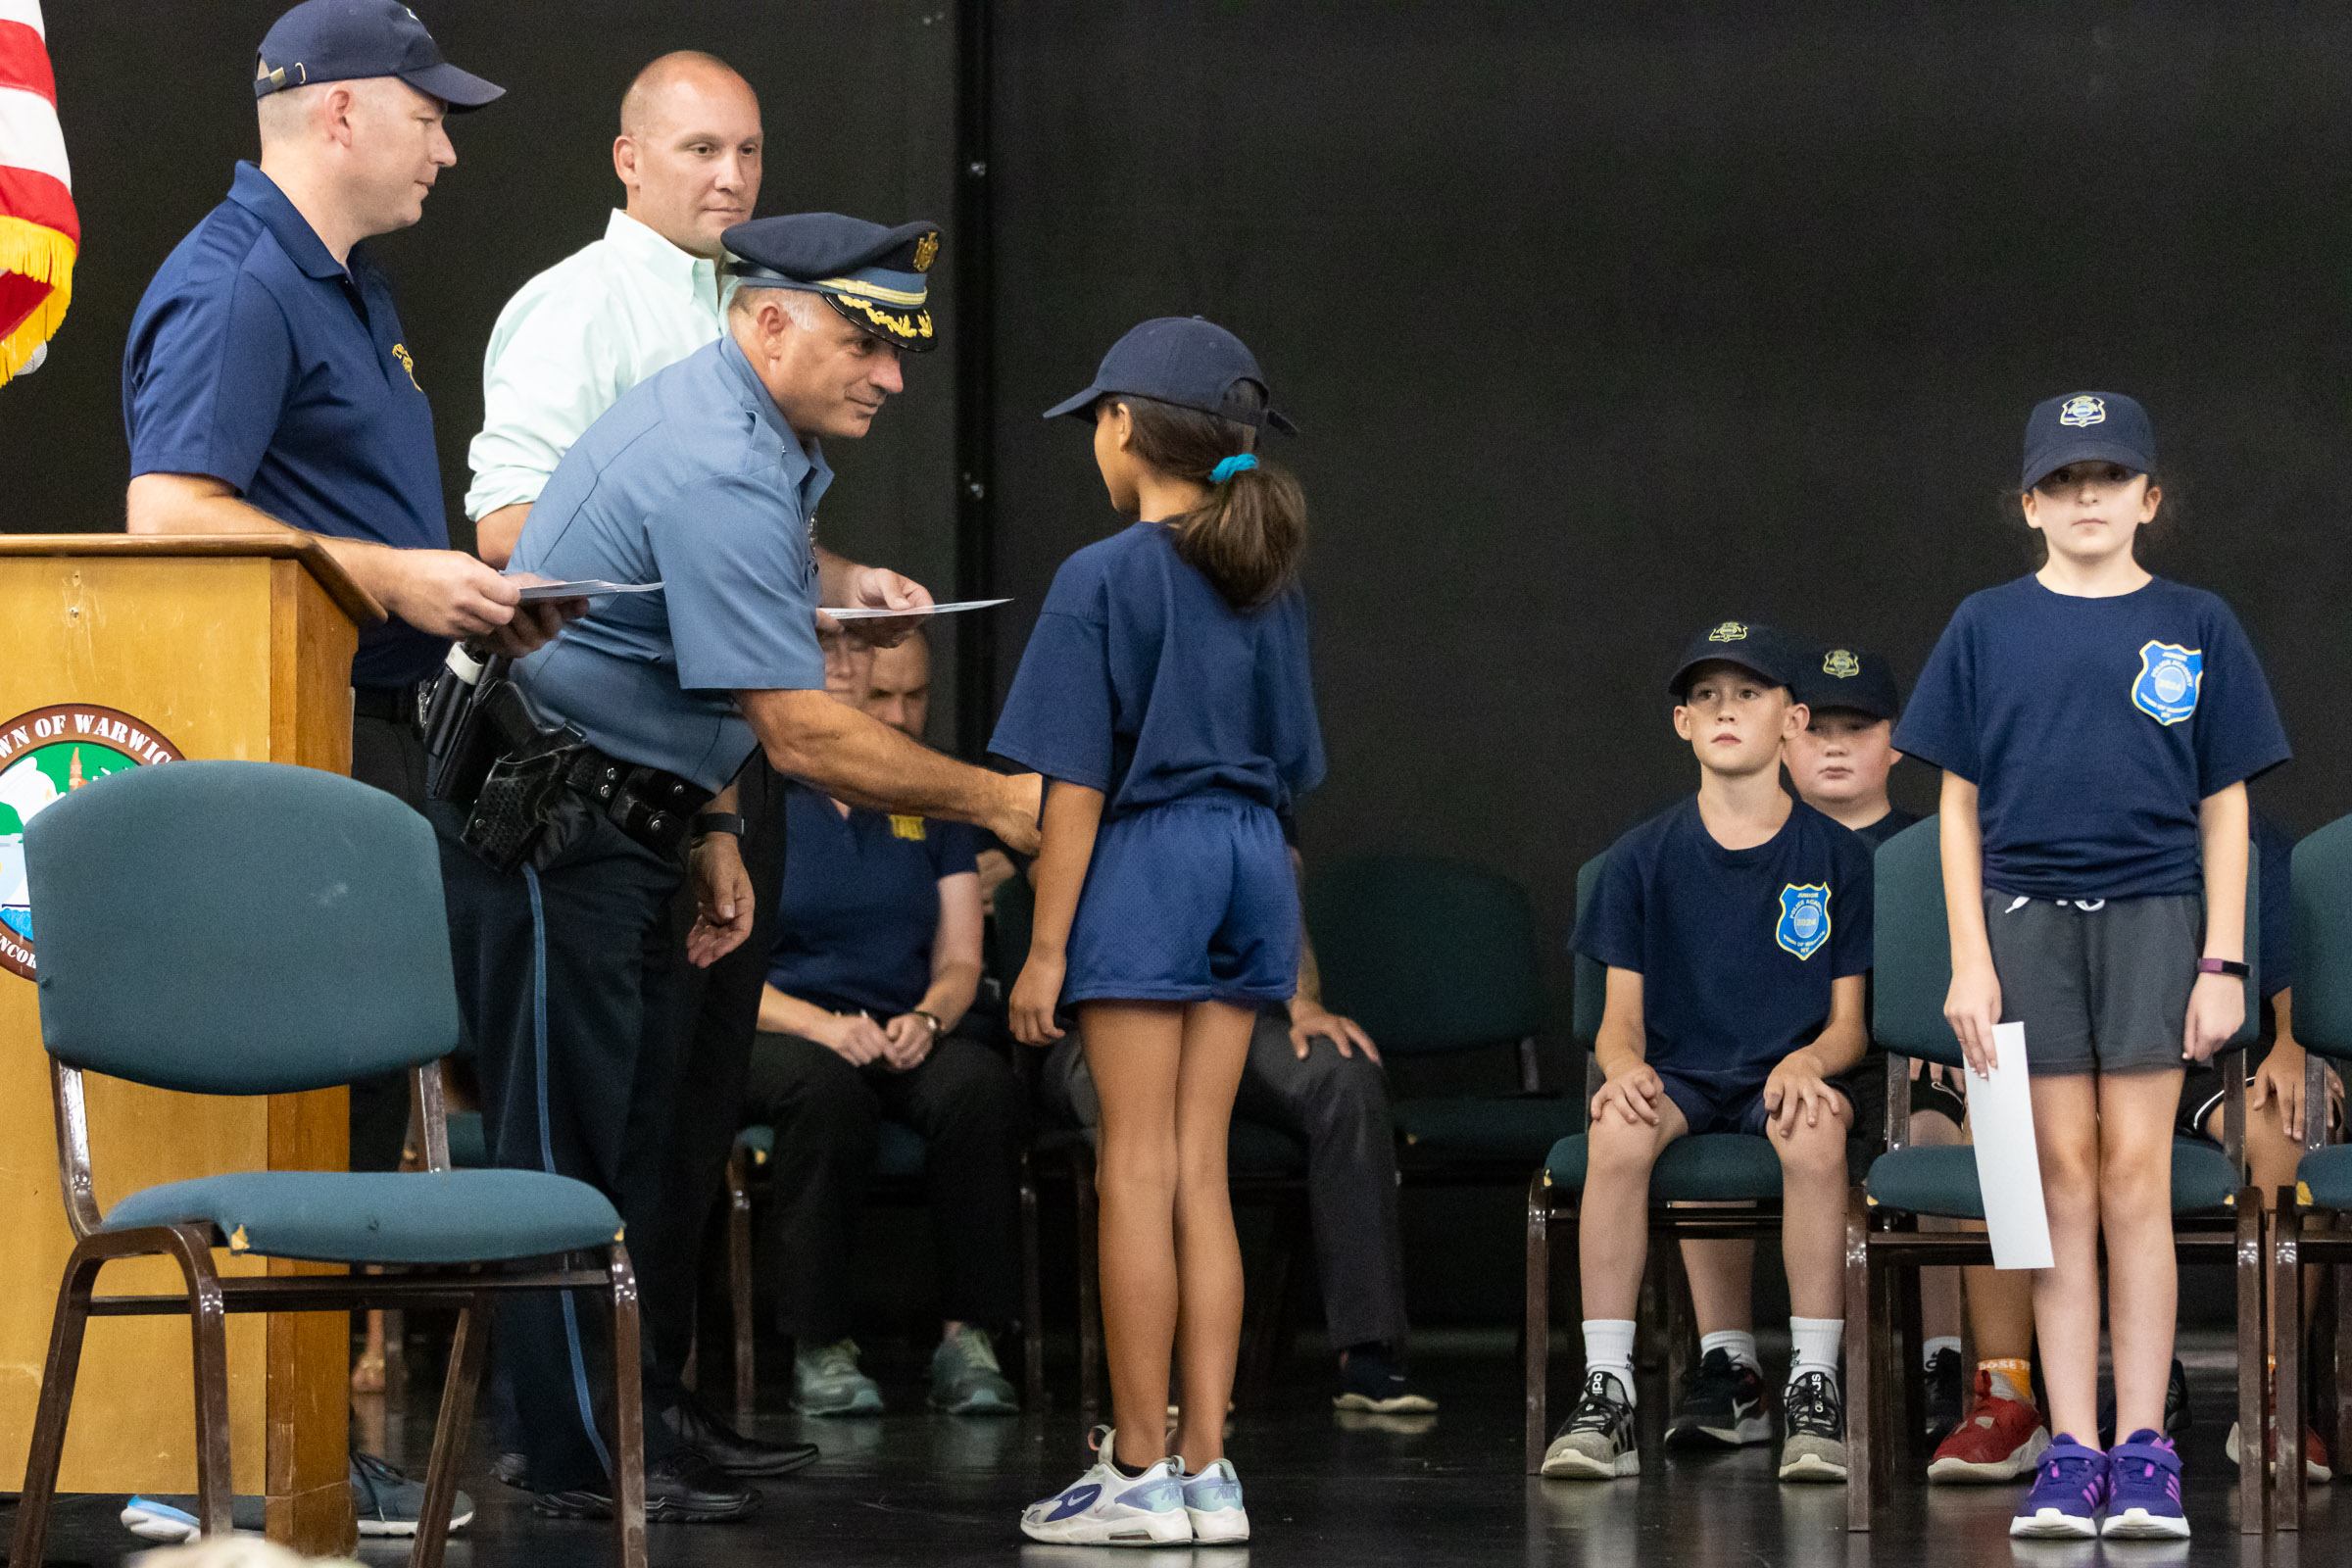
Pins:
<point x="1076" y="1500"/>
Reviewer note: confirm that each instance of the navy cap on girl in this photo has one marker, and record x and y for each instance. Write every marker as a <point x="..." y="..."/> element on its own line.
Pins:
<point x="1188" y="361"/>
<point x="2093" y="729"/>
<point x="2087" y="427"/>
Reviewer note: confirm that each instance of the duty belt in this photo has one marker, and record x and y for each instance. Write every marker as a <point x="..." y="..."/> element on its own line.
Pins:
<point x="651" y="805"/>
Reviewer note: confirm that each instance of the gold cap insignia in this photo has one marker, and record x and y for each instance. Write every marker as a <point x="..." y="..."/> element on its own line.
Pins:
<point x="926" y="251"/>
<point x="1842" y="663"/>
<point x="1731" y="631"/>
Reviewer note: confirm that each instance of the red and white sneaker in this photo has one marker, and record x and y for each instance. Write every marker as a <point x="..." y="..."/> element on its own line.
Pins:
<point x="2315" y="1468"/>
<point x="2001" y="1441"/>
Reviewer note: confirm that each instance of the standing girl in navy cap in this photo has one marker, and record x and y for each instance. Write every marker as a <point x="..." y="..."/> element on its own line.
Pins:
<point x="1166" y="697"/>
<point x="2097" y="728"/>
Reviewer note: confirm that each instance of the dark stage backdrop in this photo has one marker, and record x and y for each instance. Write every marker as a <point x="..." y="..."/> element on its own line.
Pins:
<point x="157" y="103"/>
<point x="1605" y="321"/>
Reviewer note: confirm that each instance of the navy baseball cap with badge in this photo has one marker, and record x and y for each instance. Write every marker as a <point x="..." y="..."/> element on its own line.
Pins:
<point x="1851" y="680"/>
<point x="1188" y="361"/>
<point x="2087" y="427"/>
<point x="348" y="40"/>
<point x="1749" y="644"/>
<point x="875" y="278"/>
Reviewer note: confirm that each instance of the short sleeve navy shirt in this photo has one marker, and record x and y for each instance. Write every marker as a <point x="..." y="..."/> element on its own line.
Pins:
<point x="1140" y="681"/>
<point x="255" y="360"/>
<point x="860" y="907"/>
<point x="693" y="481"/>
<point x="2093" y="729"/>
<point x="1737" y="948"/>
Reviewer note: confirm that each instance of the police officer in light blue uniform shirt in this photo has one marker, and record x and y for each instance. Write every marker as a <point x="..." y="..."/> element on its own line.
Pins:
<point x="704" y="479"/>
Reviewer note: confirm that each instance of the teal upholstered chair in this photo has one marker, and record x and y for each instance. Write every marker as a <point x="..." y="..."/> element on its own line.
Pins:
<point x="2323" y="1023"/>
<point x="1438" y="959"/>
<point x="246" y="928"/>
<point x="1885" y="1248"/>
<point x="1713" y="1185"/>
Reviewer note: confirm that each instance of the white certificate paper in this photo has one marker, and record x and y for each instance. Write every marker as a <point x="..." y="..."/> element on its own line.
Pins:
<point x="863" y="613"/>
<point x="2000" y="1116"/>
<point x="582" y="588"/>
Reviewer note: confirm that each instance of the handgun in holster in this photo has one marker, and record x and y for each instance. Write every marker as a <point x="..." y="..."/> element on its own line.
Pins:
<point x="488" y="752"/>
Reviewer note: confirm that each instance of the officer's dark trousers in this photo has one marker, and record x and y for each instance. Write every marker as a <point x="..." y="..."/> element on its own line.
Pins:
<point x="966" y="1102"/>
<point x="1340" y="1105"/>
<point x="389" y="755"/>
<point x="568" y="978"/>
<point x="719" y="1015"/>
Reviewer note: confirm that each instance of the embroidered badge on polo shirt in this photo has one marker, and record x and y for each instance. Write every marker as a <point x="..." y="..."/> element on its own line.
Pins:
<point x="2169" y="677"/>
<point x="906" y="827"/>
<point x="1804" y="917"/>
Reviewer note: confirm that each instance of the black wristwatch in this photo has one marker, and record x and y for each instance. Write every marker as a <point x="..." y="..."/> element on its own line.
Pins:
<point x="708" y="822"/>
<point x="2222" y="966"/>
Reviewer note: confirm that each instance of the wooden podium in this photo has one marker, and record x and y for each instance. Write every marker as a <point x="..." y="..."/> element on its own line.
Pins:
<point x="133" y="651"/>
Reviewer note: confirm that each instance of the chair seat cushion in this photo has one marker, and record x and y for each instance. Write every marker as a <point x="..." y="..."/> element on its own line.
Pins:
<point x="898" y="1151"/>
<point x="1515" y="1129"/>
<point x="1943" y="1182"/>
<point x="457" y="1216"/>
<point x="2325" y="1175"/>
<point x="1712" y="1167"/>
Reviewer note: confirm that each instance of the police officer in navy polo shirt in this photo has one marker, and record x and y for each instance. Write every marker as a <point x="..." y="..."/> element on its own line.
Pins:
<point x="705" y="478"/>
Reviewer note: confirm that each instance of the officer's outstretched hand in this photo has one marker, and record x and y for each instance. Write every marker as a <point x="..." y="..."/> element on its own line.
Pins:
<point x="723" y="900"/>
<point x="1019" y="813"/>
<point x="875" y="588"/>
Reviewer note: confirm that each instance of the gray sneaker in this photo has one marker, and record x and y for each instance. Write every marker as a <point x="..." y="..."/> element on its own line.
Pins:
<point x="826" y="1381"/>
<point x="1813" y="1424"/>
<point x="965" y="1379"/>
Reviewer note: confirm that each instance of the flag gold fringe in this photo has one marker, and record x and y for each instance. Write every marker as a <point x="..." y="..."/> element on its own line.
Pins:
<point x="45" y="256"/>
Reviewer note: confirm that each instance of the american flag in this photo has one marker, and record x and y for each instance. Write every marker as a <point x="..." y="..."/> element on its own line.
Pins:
<point x="39" y="232"/>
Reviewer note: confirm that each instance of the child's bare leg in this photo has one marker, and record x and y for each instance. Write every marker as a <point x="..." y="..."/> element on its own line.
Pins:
<point x="1813" y="1186"/>
<point x="1612" y="1232"/>
<point x="1208" y="1256"/>
<point x="2135" y="1212"/>
<point x="1133" y="1051"/>
<point x="2065" y="1294"/>
<point x="1723" y="1277"/>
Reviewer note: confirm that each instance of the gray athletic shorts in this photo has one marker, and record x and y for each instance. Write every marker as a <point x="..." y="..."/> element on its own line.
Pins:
<point x="2101" y="985"/>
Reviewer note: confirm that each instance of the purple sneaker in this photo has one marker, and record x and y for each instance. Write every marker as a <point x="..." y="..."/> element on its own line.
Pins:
<point x="2069" y="1490"/>
<point x="2144" y="1495"/>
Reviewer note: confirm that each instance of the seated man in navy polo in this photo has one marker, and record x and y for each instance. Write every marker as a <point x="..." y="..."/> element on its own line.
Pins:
<point x="876" y="961"/>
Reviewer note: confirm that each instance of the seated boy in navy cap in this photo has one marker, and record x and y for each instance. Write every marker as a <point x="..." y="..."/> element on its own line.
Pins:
<point x="1736" y="928"/>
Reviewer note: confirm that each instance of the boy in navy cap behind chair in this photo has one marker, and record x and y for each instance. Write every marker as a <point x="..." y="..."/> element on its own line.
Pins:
<point x="1736" y="928"/>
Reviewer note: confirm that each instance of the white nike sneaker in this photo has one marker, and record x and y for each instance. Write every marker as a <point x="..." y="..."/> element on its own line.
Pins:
<point x="1105" y="1508"/>
<point x="1212" y="1497"/>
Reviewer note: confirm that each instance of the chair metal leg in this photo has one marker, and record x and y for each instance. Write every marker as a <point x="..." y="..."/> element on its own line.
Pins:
<point x="56" y="1406"/>
<point x="739" y="1283"/>
<point x="2283" y="1390"/>
<point x="1539" y="1317"/>
<point x="208" y="1335"/>
<point x="629" y="1416"/>
<point x="1909" y="1387"/>
<point x="396" y="1361"/>
<point x="2339" y="1364"/>
<point x="2252" y="1263"/>
<point x="1682" y="1316"/>
<point x="450" y="1432"/>
<point x="1860" y="1375"/>
<point x="1032" y="1306"/>
<point x="1089" y="1296"/>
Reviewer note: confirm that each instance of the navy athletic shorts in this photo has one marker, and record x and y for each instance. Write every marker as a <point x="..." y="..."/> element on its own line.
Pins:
<point x="1191" y="900"/>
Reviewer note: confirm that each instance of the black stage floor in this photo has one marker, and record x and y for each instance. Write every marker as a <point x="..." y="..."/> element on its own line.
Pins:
<point x="1325" y="1491"/>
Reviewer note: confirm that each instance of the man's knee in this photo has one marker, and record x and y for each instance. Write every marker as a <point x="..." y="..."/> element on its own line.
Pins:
<point x="822" y="1100"/>
<point x="1345" y="1093"/>
<point x="972" y="1088"/>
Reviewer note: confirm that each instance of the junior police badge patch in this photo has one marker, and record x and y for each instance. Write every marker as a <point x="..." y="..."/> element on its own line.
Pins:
<point x="1804" y="918"/>
<point x="1731" y="631"/>
<point x="2169" y="677"/>
<point x="2084" y="410"/>
<point x="1842" y="663"/>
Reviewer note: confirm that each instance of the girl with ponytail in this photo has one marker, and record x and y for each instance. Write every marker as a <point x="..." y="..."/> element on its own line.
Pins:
<point x="1166" y="697"/>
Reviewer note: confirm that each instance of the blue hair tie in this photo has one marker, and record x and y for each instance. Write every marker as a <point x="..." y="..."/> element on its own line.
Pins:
<point x="1231" y="466"/>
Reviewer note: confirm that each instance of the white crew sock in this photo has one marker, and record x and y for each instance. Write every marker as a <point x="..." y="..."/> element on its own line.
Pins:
<point x="1936" y="1346"/>
<point x="1737" y="1344"/>
<point x="1813" y="1343"/>
<point x="1609" y="1348"/>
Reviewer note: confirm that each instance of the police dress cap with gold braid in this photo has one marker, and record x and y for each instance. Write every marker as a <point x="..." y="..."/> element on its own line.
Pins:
<point x="1838" y="676"/>
<point x="876" y="277"/>
<point x="1751" y="645"/>
<point x="350" y="40"/>
<point x="1188" y="361"/>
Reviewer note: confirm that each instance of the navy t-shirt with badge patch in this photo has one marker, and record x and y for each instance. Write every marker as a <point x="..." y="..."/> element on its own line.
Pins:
<point x="257" y="358"/>
<point x="860" y="905"/>
<point x="2093" y="729"/>
<point x="1737" y="948"/>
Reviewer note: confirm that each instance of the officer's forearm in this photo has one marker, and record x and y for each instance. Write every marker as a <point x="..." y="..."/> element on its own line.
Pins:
<point x="833" y="576"/>
<point x="862" y="761"/>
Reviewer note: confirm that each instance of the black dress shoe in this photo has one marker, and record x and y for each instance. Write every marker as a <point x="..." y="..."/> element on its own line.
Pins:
<point x="684" y="1488"/>
<point x="729" y="1449"/>
<point x="514" y="1469"/>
